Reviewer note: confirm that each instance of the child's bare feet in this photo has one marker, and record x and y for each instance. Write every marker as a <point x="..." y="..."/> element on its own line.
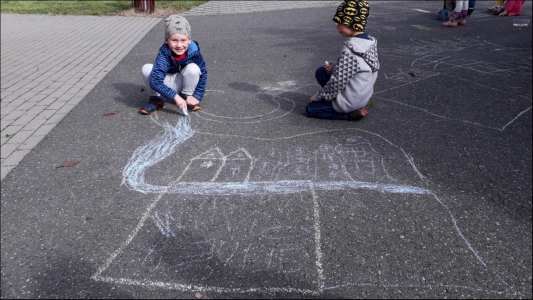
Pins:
<point x="357" y="114"/>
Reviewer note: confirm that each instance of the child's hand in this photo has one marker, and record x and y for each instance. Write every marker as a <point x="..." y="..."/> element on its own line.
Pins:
<point x="192" y="101"/>
<point x="328" y="67"/>
<point x="311" y="99"/>
<point x="180" y="102"/>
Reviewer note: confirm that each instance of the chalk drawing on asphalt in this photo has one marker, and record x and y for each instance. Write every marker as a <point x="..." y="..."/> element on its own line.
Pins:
<point x="441" y="61"/>
<point x="222" y="219"/>
<point x="215" y="217"/>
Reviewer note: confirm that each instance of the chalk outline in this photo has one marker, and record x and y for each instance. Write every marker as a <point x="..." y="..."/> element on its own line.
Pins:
<point x="312" y="187"/>
<point x="232" y="188"/>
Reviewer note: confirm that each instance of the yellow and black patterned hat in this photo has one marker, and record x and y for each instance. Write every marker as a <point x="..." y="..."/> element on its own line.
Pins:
<point x="353" y="14"/>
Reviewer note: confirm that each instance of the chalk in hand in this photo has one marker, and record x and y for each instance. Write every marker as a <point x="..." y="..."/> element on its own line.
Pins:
<point x="184" y="110"/>
<point x="326" y="63"/>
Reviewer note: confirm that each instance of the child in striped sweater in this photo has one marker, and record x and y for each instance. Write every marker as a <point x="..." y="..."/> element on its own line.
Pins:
<point x="179" y="72"/>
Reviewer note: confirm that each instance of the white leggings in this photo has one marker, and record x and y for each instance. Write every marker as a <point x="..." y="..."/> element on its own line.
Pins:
<point x="184" y="82"/>
<point x="461" y="5"/>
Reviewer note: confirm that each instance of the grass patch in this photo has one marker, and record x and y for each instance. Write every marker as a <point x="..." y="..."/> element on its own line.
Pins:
<point x="91" y="7"/>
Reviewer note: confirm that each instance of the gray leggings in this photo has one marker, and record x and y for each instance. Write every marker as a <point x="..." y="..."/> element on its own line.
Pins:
<point x="183" y="83"/>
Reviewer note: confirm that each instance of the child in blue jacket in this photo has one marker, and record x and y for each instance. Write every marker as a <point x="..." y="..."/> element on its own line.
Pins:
<point x="179" y="73"/>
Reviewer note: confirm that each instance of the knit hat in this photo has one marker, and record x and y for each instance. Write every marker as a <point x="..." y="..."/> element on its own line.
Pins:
<point x="353" y="14"/>
<point x="177" y="24"/>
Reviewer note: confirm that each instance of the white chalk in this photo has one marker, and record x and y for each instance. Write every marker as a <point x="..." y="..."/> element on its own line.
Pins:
<point x="184" y="110"/>
<point x="326" y="63"/>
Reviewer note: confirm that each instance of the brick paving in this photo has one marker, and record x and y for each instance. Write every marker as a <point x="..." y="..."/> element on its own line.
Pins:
<point x="49" y="64"/>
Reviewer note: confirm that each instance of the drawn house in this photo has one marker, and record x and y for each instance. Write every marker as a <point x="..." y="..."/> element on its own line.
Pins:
<point x="361" y="161"/>
<point x="204" y="167"/>
<point x="223" y="227"/>
<point x="236" y="167"/>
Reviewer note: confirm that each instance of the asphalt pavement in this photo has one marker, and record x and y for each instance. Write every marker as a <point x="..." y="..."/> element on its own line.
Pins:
<point x="429" y="196"/>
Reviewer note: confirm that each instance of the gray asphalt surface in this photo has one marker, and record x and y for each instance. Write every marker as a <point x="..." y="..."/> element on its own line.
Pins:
<point x="429" y="196"/>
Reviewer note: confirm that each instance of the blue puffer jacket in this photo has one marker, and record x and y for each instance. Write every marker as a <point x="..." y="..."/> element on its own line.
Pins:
<point x="164" y="64"/>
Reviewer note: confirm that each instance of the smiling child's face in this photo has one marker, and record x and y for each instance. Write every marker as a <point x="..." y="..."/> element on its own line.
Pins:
<point x="178" y="43"/>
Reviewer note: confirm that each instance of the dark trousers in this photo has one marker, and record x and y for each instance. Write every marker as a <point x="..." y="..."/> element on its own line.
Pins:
<point x="323" y="109"/>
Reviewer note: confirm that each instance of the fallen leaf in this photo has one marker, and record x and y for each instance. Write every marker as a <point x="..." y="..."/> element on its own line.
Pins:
<point x="68" y="164"/>
<point x="142" y="90"/>
<point x="198" y="295"/>
<point x="412" y="74"/>
<point x="111" y="113"/>
<point x="88" y="218"/>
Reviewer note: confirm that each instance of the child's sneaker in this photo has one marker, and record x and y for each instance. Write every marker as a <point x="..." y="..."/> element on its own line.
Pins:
<point x="462" y="22"/>
<point x="357" y="114"/>
<point x="450" y="24"/>
<point x="193" y="107"/>
<point x="155" y="103"/>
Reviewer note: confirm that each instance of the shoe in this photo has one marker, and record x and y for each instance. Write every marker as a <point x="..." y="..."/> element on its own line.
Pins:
<point x="193" y="107"/>
<point x="155" y="103"/>
<point x="462" y="22"/>
<point x="450" y="24"/>
<point x="357" y="114"/>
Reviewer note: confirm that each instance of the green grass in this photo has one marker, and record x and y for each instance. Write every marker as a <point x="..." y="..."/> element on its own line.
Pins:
<point x="84" y="7"/>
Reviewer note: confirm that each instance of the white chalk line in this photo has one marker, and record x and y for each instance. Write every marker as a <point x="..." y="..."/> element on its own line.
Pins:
<point x="421" y="10"/>
<point x="221" y="157"/>
<point x="318" y="239"/>
<point x="144" y="217"/>
<point x="200" y="288"/>
<point x="436" y="115"/>
<point x="411" y="162"/>
<point x="425" y="286"/>
<point x="243" y="118"/>
<point x="452" y="119"/>
<point x="319" y="255"/>
<point x="274" y="98"/>
<point x="248" y="122"/>
<point x="420" y="58"/>
<point x="515" y="118"/>
<point x="490" y="87"/>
